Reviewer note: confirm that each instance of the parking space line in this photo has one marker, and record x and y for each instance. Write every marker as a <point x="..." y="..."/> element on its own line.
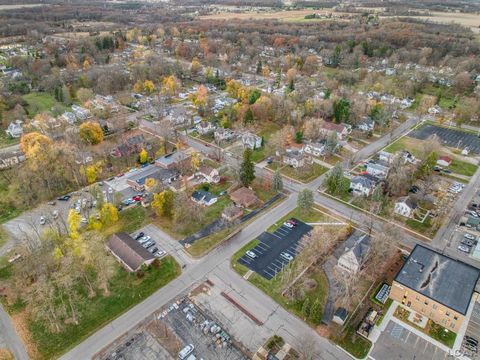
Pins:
<point x="277" y="236"/>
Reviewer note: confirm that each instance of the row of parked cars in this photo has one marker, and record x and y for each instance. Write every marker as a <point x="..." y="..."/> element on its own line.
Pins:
<point x="467" y="242"/>
<point x="456" y="187"/>
<point x="149" y="244"/>
<point x="470" y="343"/>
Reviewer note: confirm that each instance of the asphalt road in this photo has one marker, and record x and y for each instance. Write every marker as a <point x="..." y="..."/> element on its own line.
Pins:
<point x="9" y="338"/>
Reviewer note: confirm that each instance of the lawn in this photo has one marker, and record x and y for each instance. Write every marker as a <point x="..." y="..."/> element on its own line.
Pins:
<point x="354" y="343"/>
<point x="462" y="168"/>
<point x="273" y="287"/>
<point x="126" y="291"/>
<point x="204" y="245"/>
<point x="6" y="140"/>
<point x="8" y="210"/>
<point x="129" y="220"/>
<point x="260" y="154"/>
<point x="406" y="143"/>
<point x="304" y="175"/>
<point x="311" y="216"/>
<point x="40" y="102"/>
<point x="424" y="228"/>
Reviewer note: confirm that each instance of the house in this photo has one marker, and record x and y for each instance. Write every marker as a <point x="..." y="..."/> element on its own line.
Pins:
<point x="385" y="157"/>
<point x="444" y="161"/>
<point x="136" y="180"/>
<point x="408" y="157"/>
<point x="204" y="198"/>
<point x="379" y="170"/>
<point x="251" y="141"/>
<point x="405" y="206"/>
<point x="232" y="213"/>
<point x="131" y="145"/>
<point x="172" y="160"/>
<point x="436" y="286"/>
<point x="222" y="134"/>
<point x="356" y="252"/>
<point x="69" y="117"/>
<point x="15" y="129"/>
<point x="80" y="112"/>
<point x="340" y="316"/>
<point x="314" y="148"/>
<point x="208" y="173"/>
<point x="434" y="110"/>
<point x="244" y="197"/>
<point x="205" y="127"/>
<point x="296" y="158"/>
<point x="363" y="184"/>
<point x="342" y="130"/>
<point x="10" y="159"/>
<point x="128" y="252"/>
<point x="366" y="125"/>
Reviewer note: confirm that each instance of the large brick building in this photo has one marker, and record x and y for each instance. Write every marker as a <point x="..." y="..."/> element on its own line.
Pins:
<point x="436" y="286"/>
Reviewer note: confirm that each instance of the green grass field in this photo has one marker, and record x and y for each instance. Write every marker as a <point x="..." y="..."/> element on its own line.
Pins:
<point x="126" y="291"/>
<point x="462" y="168"/>
<point x="40" y="102"/>
<point x="304" y="175"/>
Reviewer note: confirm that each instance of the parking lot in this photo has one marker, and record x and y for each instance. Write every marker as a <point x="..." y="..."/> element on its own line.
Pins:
<point x="466" y="235"/>
<point x="150" y="241"/>
<point x="473" y="329"/>
<point x="268" y="260"/>
<point x="449" y="137"/>
<point x="396" y="342"/>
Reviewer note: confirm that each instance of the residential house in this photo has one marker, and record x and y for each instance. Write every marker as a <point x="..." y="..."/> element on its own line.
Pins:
<point x="356" y="252"/>
<point x="363" y="184"/>
<point x="296" y="158"/>
<point x="342" y="130"/>
<point x="436" y="286"/>
<point x="444" y="161"/>
<point x="69" y="117"/>
<point x="131" y="145"/>
<point x="232" y="213"/>
<point x="405" y="206"/>
<point x="434" y="110"/>
<point x="408" y="157"/>
<point x="207" y="174"/>
<point x="379" y="170"/>
<point x="80" y="112"/>
<point x="204" y="198"/>
<point x="314" y="148"/>
<point x="366" y="125"/>
<point x="128" y="252"/>
<point x="172" y="160"/>
<point x="244" y="197"/>
<point x="9" y="159"/>
<point x="15" y="129"/>
<point x="251" y="141"/>
<point x="222" y="134"/>
<point x="385" y="157"/>
<point x="205" y="127"/>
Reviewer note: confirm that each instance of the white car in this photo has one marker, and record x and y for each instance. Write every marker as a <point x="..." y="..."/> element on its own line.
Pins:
<point x="144" y="239"/>
<point x="84" y="220"/>
<point x="110" y="190"/>
<point x="55" y="214"/>
<point x="469" y="236"/>
<point x="160" y="253"/>
<point x="43" y="220"/>
<point x="288" y="225"/>
<point x="286" y="256"/>
<point x="251" y="254"/>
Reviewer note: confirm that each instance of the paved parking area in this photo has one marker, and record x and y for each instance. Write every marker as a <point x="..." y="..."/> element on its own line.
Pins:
<point x="396" y="343"/>
<point x="450" y="137"/>
<point x="268" y="261"/>
<point x="140" y="346"/>
<point x="473" y="328"/>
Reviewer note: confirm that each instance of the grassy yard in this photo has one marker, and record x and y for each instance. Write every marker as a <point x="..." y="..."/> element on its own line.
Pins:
<point x="129" y="220"/>
<point x="40" y="102"/>
<point x="354" y="343"/>
<point x="126" y="291"/>
<point x="406" y="143"/>
<point x="462" y="168"/>
<point x="6" y="140"/>
<point x="424" y="228"/>
<point x="304" y="175"/>
<point x="204" y="245"/>
<point x="258" y="155"/>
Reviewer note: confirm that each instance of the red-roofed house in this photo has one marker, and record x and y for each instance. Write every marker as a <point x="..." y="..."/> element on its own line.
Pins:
<point x="444" y="161"/>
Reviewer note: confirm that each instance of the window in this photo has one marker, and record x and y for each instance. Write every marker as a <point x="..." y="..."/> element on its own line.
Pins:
<point x="426" y="302"/>
<point x="447" y="313"/>
<point x="417" y="298"/>
<point x="455" y="317"/>
<point x="434" y="307"/>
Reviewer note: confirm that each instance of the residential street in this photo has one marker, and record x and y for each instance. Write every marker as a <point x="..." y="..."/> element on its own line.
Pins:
<point x="9" y="337"/>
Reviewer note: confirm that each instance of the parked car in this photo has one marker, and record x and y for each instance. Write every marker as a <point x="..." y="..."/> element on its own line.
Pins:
<point x="64" y="198"/>
<point x="471" y="340"/>
<point x="153" y="250"/>
<point x="251" y="254"/>
<point x="288" y="225"/>
<point x="161" y="254"/>
<point x="84" y="220"/>
<point x="148" y="244"/>
<point x="43" y="220"/>
<point x="464" y="248"/>
<point x="270" y="160"/>
<point x="467" y="242"/>
<point x="469" y="236"/>
<point x="137" y="198"/>
<point x="140" y="235"/>
<point x="286" y="256"/>
<point x="293" y="222"/>
<point x="55" y="214"/>
<point x="187" y="350"/>
<point x="414" y="189"/>
<point x="52" y="203"/>
<point x="144" y="239"/>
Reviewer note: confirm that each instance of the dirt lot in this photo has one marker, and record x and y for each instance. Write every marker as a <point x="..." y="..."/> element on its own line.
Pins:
<point x="271" y="15"/>
<point x="469" y="20"/>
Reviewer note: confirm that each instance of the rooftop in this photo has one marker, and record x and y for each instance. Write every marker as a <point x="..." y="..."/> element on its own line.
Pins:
<point x="128" y="250"/>
<point x="440" y="278"/>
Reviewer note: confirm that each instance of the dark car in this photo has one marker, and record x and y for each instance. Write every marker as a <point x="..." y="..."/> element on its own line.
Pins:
<point x="414" y="189"/>
<point x="64" y="198"/>
<point x="269" y="160"/>
<point x="142" y="234"/>
<point x="471" y="340"/>
<point x="153" y="250"/>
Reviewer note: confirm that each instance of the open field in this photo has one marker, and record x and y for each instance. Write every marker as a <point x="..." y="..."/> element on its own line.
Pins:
<point x="287" y="15"/>
<point x="18" y="6"/>
<point x="469" y="20"/>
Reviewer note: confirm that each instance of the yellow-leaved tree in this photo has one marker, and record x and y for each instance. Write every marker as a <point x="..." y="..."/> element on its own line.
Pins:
<point x="195" y="161"/>
<point x="74" y="220"/>
<point x="143" y="156"/>
<point x="34" y="143"/>
<point x="162" y="203"/>
<point x="148" y="86"/>
<point x="93" y="171"/>
<point x="91" y="133"/>
<point x="171" y="85"/>
<point x="108" y="214"/>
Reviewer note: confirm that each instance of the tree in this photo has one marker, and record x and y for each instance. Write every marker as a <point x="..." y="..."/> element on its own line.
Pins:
<point x="316" y="312"/>
<point x="91" y="133"/>
<point x="247" y="169"/>
<point x="341" y="110"/>
<point x="305" y="200"/>
<point x="92" y="172"/>
<point x="143" y="156"/>
<point x="34" y="143"/>
<point x="306" y="306"/>
<point x="427" y="165"/>
<point x="299" y="137"/>
<point x="74" y="220"/>
<point x="248" y="117"/>
<point x="253" y="96"/>
<point x="148" y="86"/>
<point x="336" y="183"/>
<point x="195" y="66"/>
<point x="195" y="161"/>
<point x="108" y="214"/>
<point x="277" y="182"/>
<point x="83" y="95"/>
<point x="162" y="203"/>
<point x="171" y="85"/>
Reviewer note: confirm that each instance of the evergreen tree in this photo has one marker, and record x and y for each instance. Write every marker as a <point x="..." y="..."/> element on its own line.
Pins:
<point x="277" y="182"/>
<point x="247" y="169"/>
<point x="248" y="119"/>
<point x="259" y="67"/>
<point x="306" y="308"/>
<point x="305" y="200"/>
<point x="316" y="313"/>
<point x="336" y="183"/>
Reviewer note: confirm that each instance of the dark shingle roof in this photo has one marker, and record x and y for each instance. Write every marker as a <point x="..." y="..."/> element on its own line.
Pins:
<point x="438" y="277"/>
<point x="128" y="250"/>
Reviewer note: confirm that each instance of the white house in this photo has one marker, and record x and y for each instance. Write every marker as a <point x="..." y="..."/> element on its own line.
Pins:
<point x="405" y="206"/>
<point x="205" y="127"/>
<point x="209" y="174"/>
<point x="80" y="112"/>
<point x="367" y="125"/>
<point x="363" y="185"/>
<point x="203" y="198"/>
<point x="69" y="117"/>
<point x="355" y="254"/>
<point x="251" y="141"/>
<point x="295" y="158"/>
<point x="15" y="129"/>
<point x="314" y="148"/>
<point x="385" y="157"/>
<point x="444" y="161"/>
<point x="222" y="134"/>
<point x="378" y="170"/>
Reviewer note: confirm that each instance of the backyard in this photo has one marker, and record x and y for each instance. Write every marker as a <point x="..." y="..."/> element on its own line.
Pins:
<point x="40" y="102"/>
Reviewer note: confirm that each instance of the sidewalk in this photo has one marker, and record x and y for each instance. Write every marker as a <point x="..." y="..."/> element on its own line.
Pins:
<point x="377" y="330"/>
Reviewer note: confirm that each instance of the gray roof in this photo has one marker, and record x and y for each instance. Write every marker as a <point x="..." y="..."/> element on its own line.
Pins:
<point x="202" y="195"/>
<point x="359" y="244"/>
<point x="172" y="158"/>
<point x="366" y="180"/>
<point x="152" y="171"/>
<point x="445" y="280"/>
